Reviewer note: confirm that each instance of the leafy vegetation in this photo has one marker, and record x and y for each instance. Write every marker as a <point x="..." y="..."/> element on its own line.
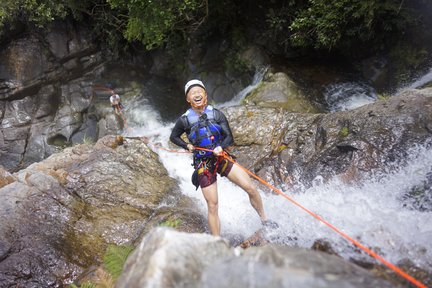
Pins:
<point x="329" y="24"/>
<point x="344" y="132"/>
<point x="173" y="223"/>
<point x="87" y="140"/>
<point x="151" y="21"/>
<point x="37" y="12"/>
<point x="85" y="285"/>
<point x="113" y="261"/>
<point x="312" y="24"/>
<point x="115" y="258"/>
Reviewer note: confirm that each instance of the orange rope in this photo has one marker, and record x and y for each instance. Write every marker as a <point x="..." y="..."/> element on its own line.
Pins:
<point x="172" y="151"/>
<point x="319" y="218"/>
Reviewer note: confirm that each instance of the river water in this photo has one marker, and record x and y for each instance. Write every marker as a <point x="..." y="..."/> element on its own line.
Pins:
<point x="375" y="212"/>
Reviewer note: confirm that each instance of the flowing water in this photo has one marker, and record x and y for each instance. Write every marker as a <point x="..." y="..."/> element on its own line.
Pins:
<point x="348" y="95"/>
<point x="422" y="80"/>
<point x="237" y="99"/>
<point x="374" y="212"/>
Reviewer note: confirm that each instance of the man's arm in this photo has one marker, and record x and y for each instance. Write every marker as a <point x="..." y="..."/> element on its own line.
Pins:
<point x="176" y="133"/>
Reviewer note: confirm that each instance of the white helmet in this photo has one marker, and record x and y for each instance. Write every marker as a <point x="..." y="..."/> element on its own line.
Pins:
<point x="192" y="83"/>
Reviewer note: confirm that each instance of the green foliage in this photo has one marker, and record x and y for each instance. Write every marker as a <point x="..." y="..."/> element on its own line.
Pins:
<point x="37" y="12"/>
<point x="281" y="148"/>
<point x="278" y="19"/>
<point x="106" y="24"/>
<point x="317" y="24"/>
<point x="383" y="96"/>
<point x="151" y="22"/>
<point x="85" y="285"/>
<point x="115" y="258"/>
<point x="87" y="140"/>
<point x="326" y="24"/>
<point x="42" y="11"/>
<point x="344" y="132"/>
<point x="173" y="223"/>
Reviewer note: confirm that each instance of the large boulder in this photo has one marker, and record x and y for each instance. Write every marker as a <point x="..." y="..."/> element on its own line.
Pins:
<point x="279" y="91"/>
<point x="291" y="148"/>
<point x="59" y="215"/>
<point x="166" y="258"/>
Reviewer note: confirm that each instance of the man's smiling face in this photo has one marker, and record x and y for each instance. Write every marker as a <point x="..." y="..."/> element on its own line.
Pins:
<point x="197" y="97"/>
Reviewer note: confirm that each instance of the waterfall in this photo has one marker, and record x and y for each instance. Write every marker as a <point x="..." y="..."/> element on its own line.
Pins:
<point x="373" y="212"/>
<point x="236" y="100"/>
<point x="348" y="95"/>
<point x="419" y="82"/>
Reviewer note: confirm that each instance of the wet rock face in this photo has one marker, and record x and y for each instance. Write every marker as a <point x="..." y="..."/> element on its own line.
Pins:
<point x="38" y="109"/>
<point x="59" y="215"/>
<point x="48" y="97"/>
<point x="288" y="148"/>
<point x="419" y="197"/>
<point x="166" y="258"/>
<point x="5" y="177"/>
<point x="279" y="91"/>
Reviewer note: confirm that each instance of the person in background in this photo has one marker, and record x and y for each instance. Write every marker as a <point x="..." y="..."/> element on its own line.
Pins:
<point x="115" y="102"/>
<point x="207" y="127"/>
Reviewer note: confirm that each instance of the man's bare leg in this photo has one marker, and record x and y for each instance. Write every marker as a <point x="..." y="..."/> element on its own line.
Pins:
<point x="242" y="179"/>
<point x="211" y="196"/>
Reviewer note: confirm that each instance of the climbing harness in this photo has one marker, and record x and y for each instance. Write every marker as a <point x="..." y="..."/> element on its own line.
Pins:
<point x="356" y="243"/>
<point x="205" y="171"/>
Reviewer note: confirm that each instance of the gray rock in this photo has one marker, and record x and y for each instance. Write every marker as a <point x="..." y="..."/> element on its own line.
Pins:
<point x="59" y="215"/>
<point x="166" y="258"/>
<point x="281" y="266"/>
<point x="279" y="91"/>
<point x="295" y="148"/>
<point x="46" y="81"/>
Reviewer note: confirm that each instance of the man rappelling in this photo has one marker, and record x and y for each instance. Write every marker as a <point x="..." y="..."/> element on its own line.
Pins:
<point x="207" y="128"/>
<point x="116" y="103"/>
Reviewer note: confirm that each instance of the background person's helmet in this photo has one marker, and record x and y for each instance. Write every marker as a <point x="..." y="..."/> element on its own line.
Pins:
<point x="192" y="83"/>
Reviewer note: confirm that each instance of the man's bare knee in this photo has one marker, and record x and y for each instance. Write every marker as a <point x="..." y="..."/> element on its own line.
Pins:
<point x="251" y="189"/>
<point x="212" y="208"/>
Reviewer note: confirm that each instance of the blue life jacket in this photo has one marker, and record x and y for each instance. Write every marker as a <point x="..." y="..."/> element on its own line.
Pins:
<point x="204" y="131"/>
